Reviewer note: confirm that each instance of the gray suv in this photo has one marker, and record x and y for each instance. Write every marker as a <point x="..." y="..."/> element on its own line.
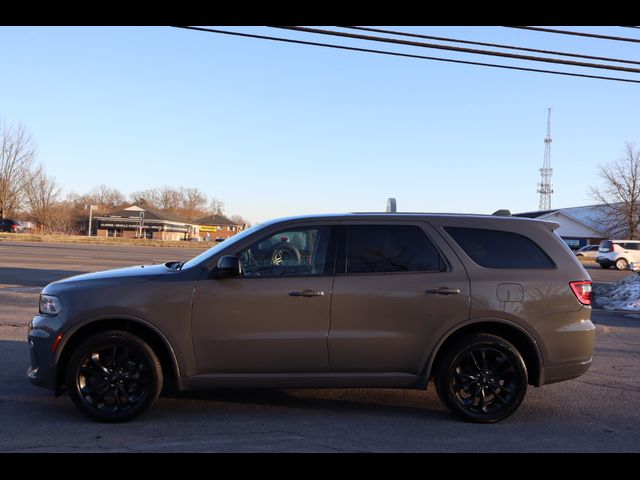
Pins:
<point x="481" y="305"/>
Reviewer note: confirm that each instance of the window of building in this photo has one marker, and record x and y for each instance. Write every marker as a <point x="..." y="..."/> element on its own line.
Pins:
<point x="114" y="232"/>
<point x="500" y="249"/>
<point x="390" y="248"/>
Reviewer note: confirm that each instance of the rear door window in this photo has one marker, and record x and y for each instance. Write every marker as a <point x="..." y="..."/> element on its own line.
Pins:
<point x="390" y="248"/>
<point x="500" y="249"/>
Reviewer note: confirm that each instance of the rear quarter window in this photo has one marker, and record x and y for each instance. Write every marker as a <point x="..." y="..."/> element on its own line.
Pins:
<point x="500" y="249"/>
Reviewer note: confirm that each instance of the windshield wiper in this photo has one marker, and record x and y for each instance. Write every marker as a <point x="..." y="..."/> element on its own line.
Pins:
<point x="175" y="265"/>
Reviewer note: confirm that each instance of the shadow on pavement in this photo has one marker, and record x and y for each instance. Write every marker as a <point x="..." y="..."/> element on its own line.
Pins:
<point x="343" y="401"/>
<point x="616" y="318"/>
<point x="33" y="277"/>
<point x="15" y="360"/>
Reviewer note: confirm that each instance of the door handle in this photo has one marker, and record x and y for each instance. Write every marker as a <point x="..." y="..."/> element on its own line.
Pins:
<point x="443" y="291"/>
<point x="307" y="293"/>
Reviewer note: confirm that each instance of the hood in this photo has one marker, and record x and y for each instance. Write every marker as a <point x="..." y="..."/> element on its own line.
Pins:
<point x="137" y="271"/>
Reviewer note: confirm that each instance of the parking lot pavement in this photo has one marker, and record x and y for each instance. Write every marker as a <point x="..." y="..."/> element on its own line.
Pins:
<point x="598" y="412"/>
<point x="605" y="275"/>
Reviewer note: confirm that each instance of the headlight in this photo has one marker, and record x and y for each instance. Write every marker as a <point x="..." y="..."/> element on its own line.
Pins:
<point x="50" y="305"/>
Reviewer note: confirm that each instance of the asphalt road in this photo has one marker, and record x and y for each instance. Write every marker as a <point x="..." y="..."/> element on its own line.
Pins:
<point x="599" y="274"/>
<point x="599" y="412"/>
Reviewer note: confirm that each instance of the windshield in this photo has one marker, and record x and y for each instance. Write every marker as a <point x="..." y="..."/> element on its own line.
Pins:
<point x="215" y="249"/>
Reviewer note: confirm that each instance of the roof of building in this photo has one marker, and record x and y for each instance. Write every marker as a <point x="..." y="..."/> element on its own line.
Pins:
<point x="216" y="219"/>
<point x="590" y="215"/>
<point x="149" y="214"/>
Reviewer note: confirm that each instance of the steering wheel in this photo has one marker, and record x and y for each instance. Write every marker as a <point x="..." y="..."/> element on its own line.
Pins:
<point x="285" y="254"/>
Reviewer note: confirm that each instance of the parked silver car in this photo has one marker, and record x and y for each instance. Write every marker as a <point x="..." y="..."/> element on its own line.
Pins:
<point x="588" y="251"/>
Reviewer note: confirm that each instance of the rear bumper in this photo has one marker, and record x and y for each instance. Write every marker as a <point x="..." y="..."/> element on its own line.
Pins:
<point x="569" y="341"/>
<point x="559" y="373"/>
<point x="607" y="262"/>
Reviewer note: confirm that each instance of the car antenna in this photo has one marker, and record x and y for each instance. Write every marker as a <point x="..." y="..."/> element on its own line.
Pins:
<point x="503" y="212"/>
<point x="391" y="205"/>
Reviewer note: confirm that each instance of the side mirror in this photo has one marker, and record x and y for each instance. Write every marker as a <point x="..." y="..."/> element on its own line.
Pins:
<point x="228" y="267"/>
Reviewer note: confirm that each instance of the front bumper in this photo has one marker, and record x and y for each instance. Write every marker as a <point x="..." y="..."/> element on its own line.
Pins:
<point x="43" y="331"/>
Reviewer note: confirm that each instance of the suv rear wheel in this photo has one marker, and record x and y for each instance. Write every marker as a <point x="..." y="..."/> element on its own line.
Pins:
<point x="481" y="378"/>
<point x="113" y="376"/>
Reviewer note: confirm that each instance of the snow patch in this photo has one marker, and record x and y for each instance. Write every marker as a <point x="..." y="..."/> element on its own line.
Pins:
<point x="621" y="295"/>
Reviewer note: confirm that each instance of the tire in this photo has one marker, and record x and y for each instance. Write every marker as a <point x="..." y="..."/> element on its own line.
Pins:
<point x="468" y="391"/>
<point x="622" y="264"/>
<point x="285" y="254"/>
<point x="113" y="376"/>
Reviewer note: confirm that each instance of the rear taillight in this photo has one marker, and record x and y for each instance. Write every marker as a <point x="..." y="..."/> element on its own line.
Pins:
<point x="582" y="291"/>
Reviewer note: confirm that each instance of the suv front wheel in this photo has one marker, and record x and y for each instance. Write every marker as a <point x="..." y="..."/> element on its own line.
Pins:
<point x="481" y="378"/>
<point x="113" y="376"/>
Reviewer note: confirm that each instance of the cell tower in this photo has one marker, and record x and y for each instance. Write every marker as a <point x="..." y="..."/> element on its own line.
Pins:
<point x="545" y="187"/>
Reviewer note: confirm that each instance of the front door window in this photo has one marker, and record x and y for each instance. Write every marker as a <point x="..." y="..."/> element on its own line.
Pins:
<point x="301" y="251"/>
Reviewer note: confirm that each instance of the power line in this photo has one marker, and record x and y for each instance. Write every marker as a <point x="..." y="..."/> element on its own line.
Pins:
<point x="405" y="55"/>
<point x="580" y="34"/>
<point x="495" y="45"/>
<point x="461" y="49"/>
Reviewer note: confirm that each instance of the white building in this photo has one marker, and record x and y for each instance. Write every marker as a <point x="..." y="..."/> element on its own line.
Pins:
<point x="579" y="226"/>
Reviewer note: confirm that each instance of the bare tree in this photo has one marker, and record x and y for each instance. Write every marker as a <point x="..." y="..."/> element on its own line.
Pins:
<point x="216" y="206"/>
<point x="169" y="199"/>
<point x="193" y="203"/>
<point x="107" y="198"/>
<point x="17" y="153"/>
<point x="145" y="198"/>
<point x="42" y="194"/>
<point x="620" y="194"/>
<point x="240" y="220"/>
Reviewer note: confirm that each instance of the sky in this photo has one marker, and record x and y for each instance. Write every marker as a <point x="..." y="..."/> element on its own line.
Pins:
<point x="276" y="129"/>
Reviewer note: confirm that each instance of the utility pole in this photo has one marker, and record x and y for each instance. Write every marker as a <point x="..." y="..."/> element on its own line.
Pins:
<point x="90" y="207"/>
<point x="545" y="187"/>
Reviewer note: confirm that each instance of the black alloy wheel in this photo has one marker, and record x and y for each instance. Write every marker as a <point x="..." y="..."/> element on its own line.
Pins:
<point x="113" y="376"/>
<point x="482" y="378"/>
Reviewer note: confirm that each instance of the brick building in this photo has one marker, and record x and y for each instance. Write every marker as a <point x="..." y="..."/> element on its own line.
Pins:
<point x="217" y="226"/>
